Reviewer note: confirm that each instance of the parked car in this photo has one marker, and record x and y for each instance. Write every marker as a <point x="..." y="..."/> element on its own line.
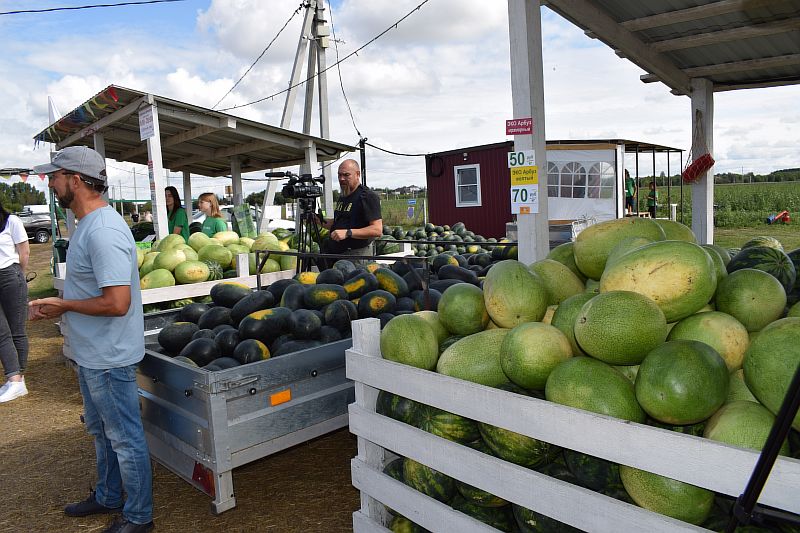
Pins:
<point x="39" y="226"/>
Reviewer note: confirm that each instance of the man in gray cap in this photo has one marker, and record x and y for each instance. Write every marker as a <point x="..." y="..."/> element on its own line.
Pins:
<point x="103" y="324"/>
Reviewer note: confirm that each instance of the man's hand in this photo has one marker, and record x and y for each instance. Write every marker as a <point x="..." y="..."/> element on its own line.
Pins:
<point x="339" y="234"/>
<point x="46" y="308"/>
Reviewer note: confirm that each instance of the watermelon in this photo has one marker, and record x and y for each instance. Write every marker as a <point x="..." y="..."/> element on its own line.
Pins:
<point x="766" y="241"/>
<point x="410" y="339"/>
<point x="497" y="517"/>
<point x="447" y="425"/>
<point x="667" y="496"/>
<point x="592" y="472"/>
<point x="794" y="295"/>
<point x="401" y="524"/>
<point x="516" y="448"/>
<point x="214" y="270"/>
<point x="767" y="259"/>
<point x="397" y="407"/>
<point x="428" y="481"/>
<point x="474" y="494"/>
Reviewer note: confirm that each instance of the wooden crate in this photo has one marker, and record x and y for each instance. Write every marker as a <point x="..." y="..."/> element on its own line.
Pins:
<point x="719" y="467"/>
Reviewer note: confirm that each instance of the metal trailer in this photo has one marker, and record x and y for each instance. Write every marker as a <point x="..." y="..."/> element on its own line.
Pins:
<point x="201" y="425"/>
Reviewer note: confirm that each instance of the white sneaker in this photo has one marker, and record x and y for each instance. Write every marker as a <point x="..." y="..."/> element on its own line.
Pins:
<point x="13" y="390"/>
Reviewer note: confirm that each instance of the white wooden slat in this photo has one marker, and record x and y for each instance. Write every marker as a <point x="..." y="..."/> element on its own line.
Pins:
<point x="412" y="504"/>
<point x="562" y="501"/>
<point x="718" y="467"/>
<point x="364" y="524"/>
<point x="366" y="336"/>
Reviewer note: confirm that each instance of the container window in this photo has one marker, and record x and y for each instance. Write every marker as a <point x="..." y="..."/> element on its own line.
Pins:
<point x="468" y="185"/>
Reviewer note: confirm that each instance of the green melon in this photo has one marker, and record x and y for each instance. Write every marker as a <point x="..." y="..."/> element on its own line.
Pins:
<point x="462" y="310"/>
<point x="719" y="265"/>
<point x="226" y="237"/>
<point x="215" y="252"/>
<point x="169" y="242"/>
<point x="624" y="246"/>
<point x="410" y="340"/>
<point x="500" y="518"/>
<point x="675" y="231"/>
<point x="620" y="327"/>
<point x="169" y="259"/>
<point x="147" y="265"/>
<point x="432" y="318"/>
<point x="767" y="259"/>
<point x="678" y="276"/>
<point x="719" y="330"/>
<point x="270" y="265"/>
<point x="771" y="361"/>
<point x="723" y="252"/>
<point x="794" y="311"/>
<point x="515" y="447"/>
<point x="592" y="385"/>
<point x="512" y="294"/>
<point x="447" y="425"/>
<point x="397" y="407"/>
<point x="737" y="389"/>
<point x="682" y="382"/>
<point x="593" y="244"/>
<point x="763" y="240"/>
<point x="139" y="257"/>
<point x="563" y="254"/>
<point x="565" y="316"/>
<point x="475" y="358"/>
<point x="531" y="351"/>
<point x="744" y="424"/>
<point x="558" y="279"/>
<point x="667" y="496"/>
<point x="191" y="272"/>
<point x="157" y="279"/>
<point x="592" y="472"/>
<point x="752" y="297"/>
<point x="288" y="262"/>
<point x="198" y="240"/>
<point x="428" y="481"/>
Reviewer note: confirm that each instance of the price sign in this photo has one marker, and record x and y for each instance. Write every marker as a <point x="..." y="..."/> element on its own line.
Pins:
<point x="524" y="190"/>
<point x="521" y="158"/>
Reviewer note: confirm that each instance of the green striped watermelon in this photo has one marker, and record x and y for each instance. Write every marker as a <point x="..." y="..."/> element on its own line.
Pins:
<point x="401" y="524"/>
<point x="447" y="425"/>
<point x="793" y="296"/>
<point x="516" y="448"/>
<point x="769" y="242"/>
<point x="592" y="472"/>
<point x="766" y="259"/>
<point x="214" y="270"/>
<point x="474" y="494"/>
<point x="397" y="407"/>
<point x="428" y="481"/>
<point x="497" y="517"/>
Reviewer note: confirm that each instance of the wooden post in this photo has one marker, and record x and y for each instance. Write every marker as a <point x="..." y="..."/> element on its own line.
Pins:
<point x="703" y="190"/>
<point x="527" y="91"/>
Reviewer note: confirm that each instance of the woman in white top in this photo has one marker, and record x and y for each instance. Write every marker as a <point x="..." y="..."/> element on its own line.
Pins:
<point x="14" y="253"/>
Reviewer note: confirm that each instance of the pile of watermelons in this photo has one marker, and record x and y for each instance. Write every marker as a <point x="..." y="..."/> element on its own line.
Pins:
<point x="456" y="240"/>
<point x="633" y="320"/>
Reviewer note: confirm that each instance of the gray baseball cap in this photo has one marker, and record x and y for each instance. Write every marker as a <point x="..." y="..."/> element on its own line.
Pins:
<point x="80" y="159"/>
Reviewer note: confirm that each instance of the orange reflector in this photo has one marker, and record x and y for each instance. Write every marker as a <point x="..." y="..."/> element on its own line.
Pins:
<point x="280" y="397"/>
<point x="205" y="478"/>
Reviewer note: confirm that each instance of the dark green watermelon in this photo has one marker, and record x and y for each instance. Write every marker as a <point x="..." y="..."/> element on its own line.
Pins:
<point x="498" y="517"/>
<point x="474" y="494"/>
<point x="397" y="407"/>
<point x="793" y="296"/>
<point x="428" y="481"/>
<point x="516" y="448"/>
<point x="447" y="425"/>
<point x="401" y="524"/>
<point x="766" y="241"/>
<point x="766" y="259"/>
<point x="532" y="522"/>
<point x="592" y="472"/>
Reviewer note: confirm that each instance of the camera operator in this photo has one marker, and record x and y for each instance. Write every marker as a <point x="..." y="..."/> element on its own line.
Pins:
<point x="357" y="216"/>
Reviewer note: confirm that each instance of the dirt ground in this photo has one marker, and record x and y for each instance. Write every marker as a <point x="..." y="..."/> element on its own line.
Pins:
<point x="47" y="460"/>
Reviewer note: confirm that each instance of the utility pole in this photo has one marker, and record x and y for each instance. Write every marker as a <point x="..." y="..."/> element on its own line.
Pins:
<point x="135" y="193"/>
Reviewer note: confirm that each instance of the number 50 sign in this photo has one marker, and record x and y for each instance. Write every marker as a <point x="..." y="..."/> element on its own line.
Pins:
<point x="524" y="182"/>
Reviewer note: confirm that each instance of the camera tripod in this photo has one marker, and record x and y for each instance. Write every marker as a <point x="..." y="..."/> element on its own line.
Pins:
<point x="307" y="230"/>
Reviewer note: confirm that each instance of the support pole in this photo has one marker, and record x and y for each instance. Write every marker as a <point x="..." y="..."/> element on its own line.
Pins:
<point x="187" y="195"/>
<point x="703" y="190"/>
<point x="321" y="41"/>
<point x="236" y="180"/>
<point x="362" y="144"/>
<point x="527" y="91"/>
<point x="155" y="170"/>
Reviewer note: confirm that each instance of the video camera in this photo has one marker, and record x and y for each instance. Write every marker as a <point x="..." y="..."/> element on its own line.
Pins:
<point x="300" y="186"/>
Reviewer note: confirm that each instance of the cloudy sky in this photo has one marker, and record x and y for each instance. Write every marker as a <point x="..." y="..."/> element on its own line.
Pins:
<point x="439" y="81"/>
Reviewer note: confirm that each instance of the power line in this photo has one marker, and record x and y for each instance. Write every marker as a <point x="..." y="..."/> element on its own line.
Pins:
<point x="339" y="70"/>
<point x="393" y="153"/>
<point x="75" y="8"/>
<point x="345" y="58"/>
<point x="264" y="51"/>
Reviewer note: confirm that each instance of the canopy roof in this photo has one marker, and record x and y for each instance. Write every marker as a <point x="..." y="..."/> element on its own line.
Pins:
<point x="736" y="44"/>
<point x="193" y="138"/>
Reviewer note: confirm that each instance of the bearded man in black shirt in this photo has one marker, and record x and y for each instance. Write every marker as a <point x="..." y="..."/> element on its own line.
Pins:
<point x="357" y="217"/>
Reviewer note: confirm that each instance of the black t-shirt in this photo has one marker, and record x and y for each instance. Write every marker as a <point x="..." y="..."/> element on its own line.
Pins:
<point x="356" y="210"/>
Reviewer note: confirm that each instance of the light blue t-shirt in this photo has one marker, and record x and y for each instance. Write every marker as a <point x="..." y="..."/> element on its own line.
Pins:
<point x="102" y="253"/>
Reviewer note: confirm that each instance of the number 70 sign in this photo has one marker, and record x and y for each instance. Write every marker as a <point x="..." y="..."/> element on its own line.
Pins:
<point x="524" y="182"/>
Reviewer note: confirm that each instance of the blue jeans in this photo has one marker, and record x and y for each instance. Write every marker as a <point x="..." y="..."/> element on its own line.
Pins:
<point x="111" y="412"/>
<point x="13" y="314"/>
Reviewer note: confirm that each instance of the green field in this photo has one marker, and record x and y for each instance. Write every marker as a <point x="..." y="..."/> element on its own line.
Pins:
<point x="740" y="213"/>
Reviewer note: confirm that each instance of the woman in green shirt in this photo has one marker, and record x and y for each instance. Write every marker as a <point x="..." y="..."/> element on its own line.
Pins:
<point x="209" y="205"/>
<point x="176" y="214"/>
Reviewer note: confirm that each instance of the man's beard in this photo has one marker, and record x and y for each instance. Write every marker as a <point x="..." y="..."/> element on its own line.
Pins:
<point x="66" y="200"/>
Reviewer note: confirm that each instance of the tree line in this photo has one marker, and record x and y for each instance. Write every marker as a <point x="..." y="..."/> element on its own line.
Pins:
<point x="16" y="195"/>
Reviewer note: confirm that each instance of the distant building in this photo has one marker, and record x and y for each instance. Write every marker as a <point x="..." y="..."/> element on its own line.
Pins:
<point x="585" y="179"/>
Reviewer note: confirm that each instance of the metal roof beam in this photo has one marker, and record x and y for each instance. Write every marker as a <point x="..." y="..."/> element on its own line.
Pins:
<point x="712" y="9"/>
<point x="755" y="85"/>
<point x="596" y="20"/>
<point x="724" y="36"/>
<point x="107" y="120"/>
<point x="734" y="66"/>
<point x="182" y="137"/>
